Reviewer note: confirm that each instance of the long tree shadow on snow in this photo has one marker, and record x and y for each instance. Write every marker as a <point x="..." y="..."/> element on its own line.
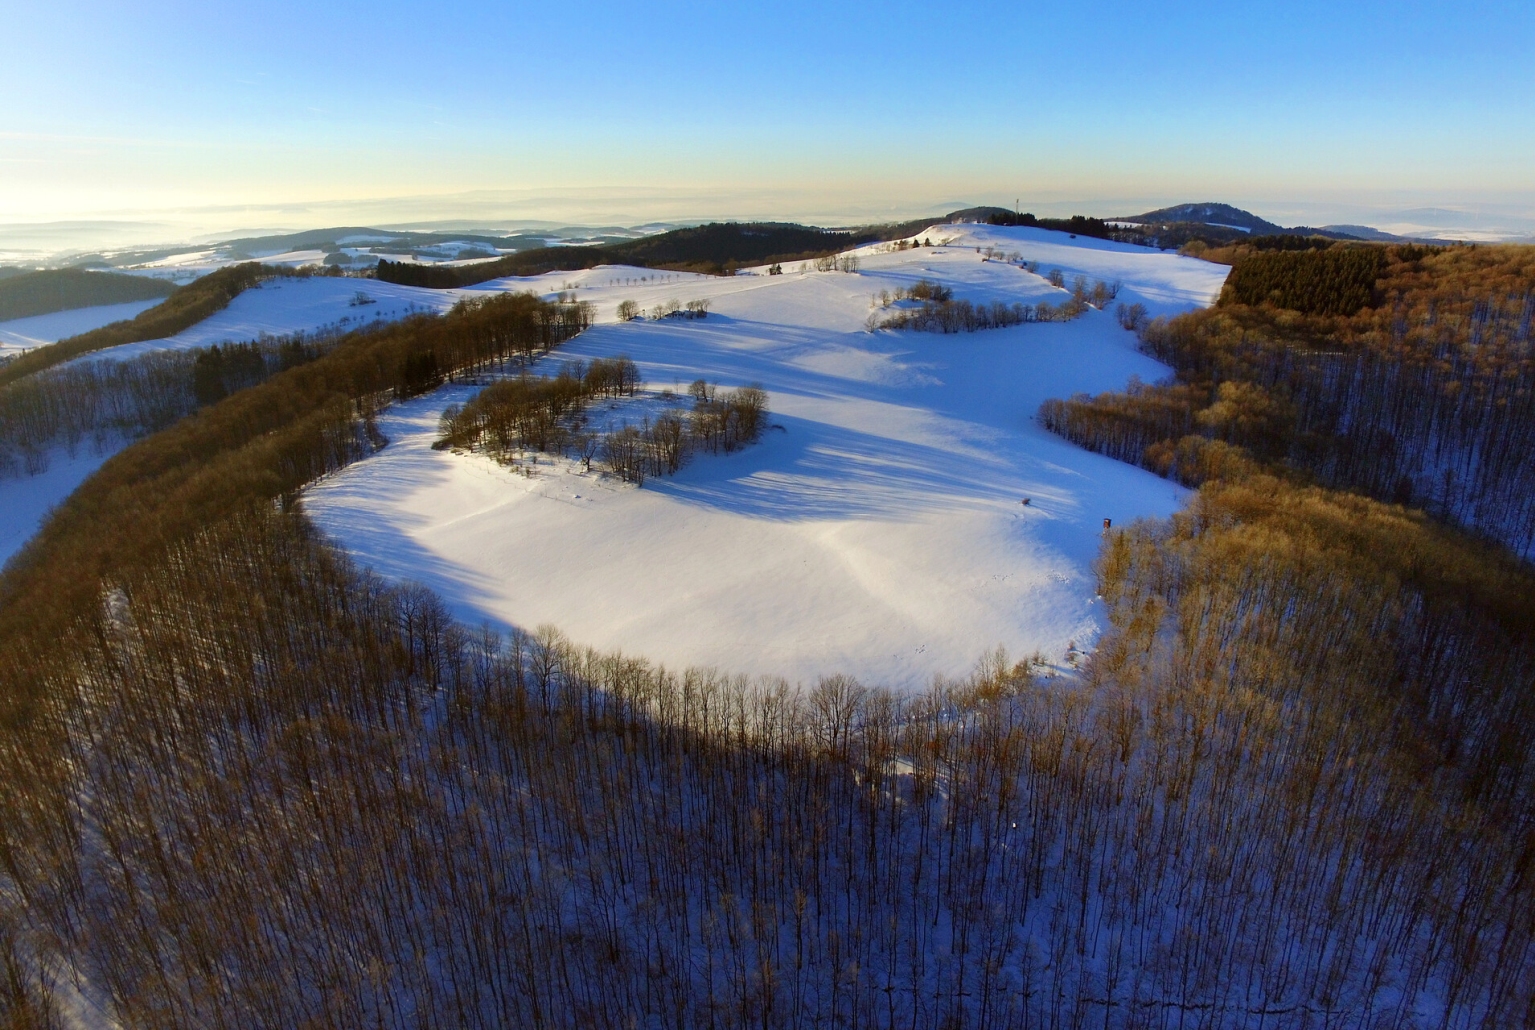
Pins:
<point x="810" y="470"/>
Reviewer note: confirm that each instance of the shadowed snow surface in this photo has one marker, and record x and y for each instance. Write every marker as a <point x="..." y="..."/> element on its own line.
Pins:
<point x="878" y="532"/>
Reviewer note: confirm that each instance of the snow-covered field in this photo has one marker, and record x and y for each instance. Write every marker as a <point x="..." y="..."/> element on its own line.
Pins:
<point x="879" y="532"/>
<point x="22" y="334"/>
<point x="184" y="266"/>
<point x="282" y="306"/>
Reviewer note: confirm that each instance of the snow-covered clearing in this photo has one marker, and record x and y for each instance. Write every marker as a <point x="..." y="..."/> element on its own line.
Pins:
<point x="879" y="532"/>
<point x="22" y="334"/>
<point x="25" y="500"/>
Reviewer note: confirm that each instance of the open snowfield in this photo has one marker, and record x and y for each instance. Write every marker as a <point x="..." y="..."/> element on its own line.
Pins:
<point x="22" y="334"/>
<point x="879" y="532"/>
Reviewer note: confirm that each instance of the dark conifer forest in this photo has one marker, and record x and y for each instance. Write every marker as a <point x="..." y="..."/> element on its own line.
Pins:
<point x="714" y="249"/>
<point x="247" y="784"/>
<point x="39" y="293"/>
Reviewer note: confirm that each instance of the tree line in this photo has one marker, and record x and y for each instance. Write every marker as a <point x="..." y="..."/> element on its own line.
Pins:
<point x="1077" y="225"/>
<point x="1425" y="399"/>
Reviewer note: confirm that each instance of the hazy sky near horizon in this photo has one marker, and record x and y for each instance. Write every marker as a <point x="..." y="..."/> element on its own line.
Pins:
<point x="231" y="112"/>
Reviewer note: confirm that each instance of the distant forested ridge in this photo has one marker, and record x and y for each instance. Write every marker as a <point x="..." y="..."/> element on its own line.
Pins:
<point x="1207" y="213"/>
<point x="42" y="293"/>
<point x="1403" y="372"/>
<point x="183" y="309"/>
<point x="716" y="248"/>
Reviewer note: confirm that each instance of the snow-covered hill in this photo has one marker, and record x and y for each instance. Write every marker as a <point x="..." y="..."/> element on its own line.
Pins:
<point x="279" y="307"/>
<point x="23" y="334"/>
<point x="879" y="532"/>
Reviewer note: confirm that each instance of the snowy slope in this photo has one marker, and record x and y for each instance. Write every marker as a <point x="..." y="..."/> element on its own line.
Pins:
<point x="276" y="308"/>
<point x="282" y="306"/>
<point x="879" y="532"/>
<point x="22" y="334"/>
<point x="25" y="500"/>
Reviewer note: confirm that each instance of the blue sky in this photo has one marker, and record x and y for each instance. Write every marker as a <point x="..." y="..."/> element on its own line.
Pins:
<point x="282" y="112"/>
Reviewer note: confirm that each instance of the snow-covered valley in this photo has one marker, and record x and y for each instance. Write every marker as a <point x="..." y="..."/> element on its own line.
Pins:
<point x="879" y="529"/>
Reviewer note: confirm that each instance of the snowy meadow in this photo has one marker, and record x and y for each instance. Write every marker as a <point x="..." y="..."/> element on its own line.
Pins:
<point x="877" y="530"/>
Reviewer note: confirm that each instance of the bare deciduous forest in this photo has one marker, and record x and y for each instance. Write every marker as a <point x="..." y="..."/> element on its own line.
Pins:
<point x="1426" y="398"/>
<point x="249" y="785"/>
<point x="276" y="792"/>
<point x="95" y="400"/>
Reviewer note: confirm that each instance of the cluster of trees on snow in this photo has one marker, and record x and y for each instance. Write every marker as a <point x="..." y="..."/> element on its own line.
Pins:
<point x="184" y="308"/>
<point x="1426" y="399"/>
<point x="941" y="313"/>
<point x="1078" y="225"/>
<point x="539" y="412"/>
<point x="900" y="245"/>
<point x="719" y="423"/>
<point x="629" y="310"/>
<point x="548" y="414"/>
<point x="1287" y="791"/>
<point x="838" y="263"/>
